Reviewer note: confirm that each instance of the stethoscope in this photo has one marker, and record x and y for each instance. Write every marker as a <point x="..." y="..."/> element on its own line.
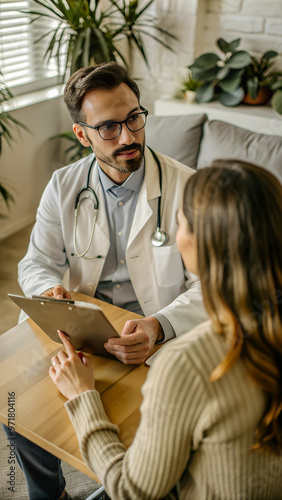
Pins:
<point x="158" y="237"/>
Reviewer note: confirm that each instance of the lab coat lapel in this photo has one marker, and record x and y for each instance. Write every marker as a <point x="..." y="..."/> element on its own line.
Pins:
<point x="100" y="242"/>
<point x="102" y="221"/>
<point x="150" y="190"/>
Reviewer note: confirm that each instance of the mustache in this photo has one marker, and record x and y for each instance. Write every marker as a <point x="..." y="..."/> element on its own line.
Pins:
<point x="128" y="148"/>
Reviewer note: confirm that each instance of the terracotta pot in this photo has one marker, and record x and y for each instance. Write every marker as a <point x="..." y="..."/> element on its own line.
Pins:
<point x="262" y="97"/>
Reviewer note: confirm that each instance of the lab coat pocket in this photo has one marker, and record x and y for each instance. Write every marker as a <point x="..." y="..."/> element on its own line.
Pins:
<point x="168" y="265"/>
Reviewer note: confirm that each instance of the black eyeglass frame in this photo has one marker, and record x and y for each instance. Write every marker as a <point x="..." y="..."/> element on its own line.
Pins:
<point x="143" y="112"/>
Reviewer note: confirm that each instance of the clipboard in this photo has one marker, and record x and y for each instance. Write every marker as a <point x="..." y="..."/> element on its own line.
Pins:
<point x="84" y="323"/>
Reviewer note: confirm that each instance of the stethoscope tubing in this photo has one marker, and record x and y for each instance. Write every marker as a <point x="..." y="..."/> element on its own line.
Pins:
<point x="158" y="238"/>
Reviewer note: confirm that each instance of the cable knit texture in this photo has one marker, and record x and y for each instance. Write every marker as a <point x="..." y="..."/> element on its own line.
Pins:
<point x="194" y="437"/>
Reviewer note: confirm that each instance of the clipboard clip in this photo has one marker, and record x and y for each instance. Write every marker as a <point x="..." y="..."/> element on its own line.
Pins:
<point x="44" y="298"/>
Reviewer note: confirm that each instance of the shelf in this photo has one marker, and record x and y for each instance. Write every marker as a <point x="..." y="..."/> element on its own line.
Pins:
<point x="260" y="119"/>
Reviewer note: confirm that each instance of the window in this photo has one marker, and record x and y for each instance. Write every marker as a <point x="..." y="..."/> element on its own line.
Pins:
<point x="21" y="59"/>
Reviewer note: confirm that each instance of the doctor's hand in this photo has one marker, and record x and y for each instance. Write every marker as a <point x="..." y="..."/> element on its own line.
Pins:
<point x="137" y="339"/>
<point x="58" y="292"/>
<point x="71" y="373"/>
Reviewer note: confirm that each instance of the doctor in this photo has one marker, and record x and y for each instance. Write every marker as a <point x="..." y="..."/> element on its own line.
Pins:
<point x="110" y="221"/>
<point x="98" y="218"/>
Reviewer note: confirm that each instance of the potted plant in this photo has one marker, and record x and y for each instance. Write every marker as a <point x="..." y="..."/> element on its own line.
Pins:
<point x="259" y="82"/>
<point x="188" y="88"/>
<point x="221" y="77"/>
<point x="237" y="77"/>
<point x="7" y="126"/>
<point x="85" y="34"/>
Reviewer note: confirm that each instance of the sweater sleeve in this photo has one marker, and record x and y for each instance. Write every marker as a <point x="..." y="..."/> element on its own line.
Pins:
<point x="174" y="396"/>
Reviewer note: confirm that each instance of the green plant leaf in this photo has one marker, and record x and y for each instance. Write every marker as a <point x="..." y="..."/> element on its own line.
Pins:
<point x="252" y="85"/>
<point x="203" y="75"/>
<point x="205" y="93"/>
<point x="232" y="81"/>
<point x="223" y="72"/>
<point x="276" y="102"/>
<point x="269" y="54"/>
<point x="228" y="46"/>
<point x="206" y="61"/>
<point x="84" y="33"/>
<point x="231" y="98"/>
<point x="7" y="197"/>
<point x="276" y="85"/>
<point x="239" y="59"/>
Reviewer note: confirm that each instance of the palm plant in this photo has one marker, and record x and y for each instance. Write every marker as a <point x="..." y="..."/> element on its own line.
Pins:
<point x="84" y="33"/>
<point x="8" y="125"/>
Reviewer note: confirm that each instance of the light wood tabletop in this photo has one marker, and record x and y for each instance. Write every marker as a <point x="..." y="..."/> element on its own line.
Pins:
<point x="25" y="358"/>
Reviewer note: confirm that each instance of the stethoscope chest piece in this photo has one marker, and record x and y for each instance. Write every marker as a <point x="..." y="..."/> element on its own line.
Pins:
<point x="158" y="238"/>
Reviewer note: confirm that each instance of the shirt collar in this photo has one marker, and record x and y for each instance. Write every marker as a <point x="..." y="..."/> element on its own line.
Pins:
<point x="133" y="182"/>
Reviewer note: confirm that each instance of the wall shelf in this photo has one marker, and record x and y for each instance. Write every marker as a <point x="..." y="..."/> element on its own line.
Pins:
<point x="260" y="119"/>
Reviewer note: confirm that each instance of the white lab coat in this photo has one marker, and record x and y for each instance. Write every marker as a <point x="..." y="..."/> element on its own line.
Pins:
<point x="157" y="274"/>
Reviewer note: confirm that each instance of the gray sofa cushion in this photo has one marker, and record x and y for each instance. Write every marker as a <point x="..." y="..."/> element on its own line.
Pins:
<point x="223" y="140"/>
<point x="176" y="136"/>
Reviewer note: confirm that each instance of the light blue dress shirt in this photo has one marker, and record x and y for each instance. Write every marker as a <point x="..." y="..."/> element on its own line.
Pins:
<point x="120" y="201"/>
<point x="115" y="285"/>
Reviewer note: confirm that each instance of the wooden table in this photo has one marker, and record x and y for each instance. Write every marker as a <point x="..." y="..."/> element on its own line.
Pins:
<point x="25" y="358"/>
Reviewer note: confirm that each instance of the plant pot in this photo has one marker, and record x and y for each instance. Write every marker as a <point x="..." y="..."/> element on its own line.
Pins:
<point x="262" y="97"/>
<point x="190" y="96"/>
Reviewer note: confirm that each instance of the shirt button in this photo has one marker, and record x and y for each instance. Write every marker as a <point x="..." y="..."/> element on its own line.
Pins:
<point x="122" y="261"/>
<point x="117" y="286"/>
<point x="119" y="233"/>
<point x="120" y="203"/>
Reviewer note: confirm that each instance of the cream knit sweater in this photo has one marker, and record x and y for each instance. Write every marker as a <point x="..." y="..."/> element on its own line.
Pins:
<point x="193" y="433"/>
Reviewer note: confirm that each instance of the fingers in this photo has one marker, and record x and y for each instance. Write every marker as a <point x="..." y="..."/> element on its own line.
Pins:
<point x="128" y="351"/>
<point x="55" y="361"/>
<point x="129" y="358"/>
<point x="67" y="343"/>
<point x="129" y="340"/>
<point x="129" y="327"/>
<point x="59" y="292"/>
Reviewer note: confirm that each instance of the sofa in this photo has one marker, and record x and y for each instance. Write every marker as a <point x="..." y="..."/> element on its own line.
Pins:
<point x="196" y="141"/>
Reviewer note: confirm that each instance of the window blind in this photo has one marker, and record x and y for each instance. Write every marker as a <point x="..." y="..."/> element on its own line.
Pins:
<point x="21" y="57"/>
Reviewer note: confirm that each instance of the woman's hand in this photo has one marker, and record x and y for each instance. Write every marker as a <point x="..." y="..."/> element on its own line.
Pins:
<point x="71" y="373"/>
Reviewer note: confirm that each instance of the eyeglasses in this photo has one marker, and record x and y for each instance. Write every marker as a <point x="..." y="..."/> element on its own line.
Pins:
<point x="111" y="130"/>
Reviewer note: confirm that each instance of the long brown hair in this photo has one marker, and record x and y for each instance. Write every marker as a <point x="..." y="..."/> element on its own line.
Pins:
<point x="235" y="210"/>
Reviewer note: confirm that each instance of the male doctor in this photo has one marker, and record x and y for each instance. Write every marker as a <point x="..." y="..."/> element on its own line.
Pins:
<point x="98" y="219"/>
<point x="118" y="262"/>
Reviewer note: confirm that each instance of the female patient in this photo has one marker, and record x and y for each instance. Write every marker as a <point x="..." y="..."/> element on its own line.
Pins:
<point x="211" y="417"/>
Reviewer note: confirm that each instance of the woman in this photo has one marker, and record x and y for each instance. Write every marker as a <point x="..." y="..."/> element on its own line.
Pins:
<point x="211" y="417"/>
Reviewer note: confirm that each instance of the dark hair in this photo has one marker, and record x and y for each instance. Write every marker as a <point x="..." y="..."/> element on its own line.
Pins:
<point x="97" y="77"/>
<point x="235" y="210"/>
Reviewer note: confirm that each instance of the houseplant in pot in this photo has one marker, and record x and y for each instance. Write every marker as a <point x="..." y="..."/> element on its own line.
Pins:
<point x="221" y="77"/>
<point x="85" y="32"/>
<point x="237" y="77"/>
<point x="90" y="31"/>
<point x="188" y="88"/>
<point x="259" y="81"/>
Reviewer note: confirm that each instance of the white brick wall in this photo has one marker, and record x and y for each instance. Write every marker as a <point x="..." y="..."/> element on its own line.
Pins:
<point x="178" y="17"/>
<point x="267" y="8"/>
<point x="254" y="23"/>
<point x="223" y="5"/>
<point x="257" y="22"/>
<point x="236" y="23"/>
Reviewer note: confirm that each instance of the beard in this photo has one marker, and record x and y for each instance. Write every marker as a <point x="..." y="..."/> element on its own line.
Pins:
<point x="126" y="166"/>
